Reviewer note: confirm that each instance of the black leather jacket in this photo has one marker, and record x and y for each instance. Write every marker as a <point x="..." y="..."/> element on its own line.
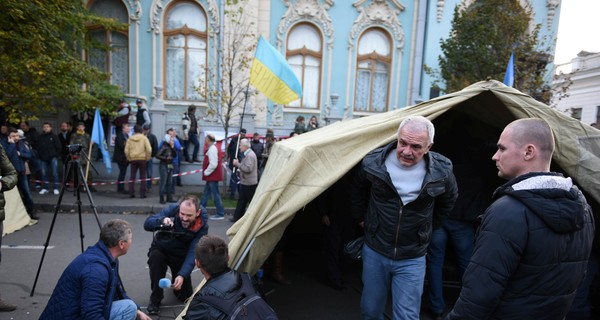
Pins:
<point x="392" y="229"/>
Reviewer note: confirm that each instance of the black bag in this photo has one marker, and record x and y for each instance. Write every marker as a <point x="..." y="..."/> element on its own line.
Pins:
<point x="353" y="249"/>
<point x="245" y="304"/>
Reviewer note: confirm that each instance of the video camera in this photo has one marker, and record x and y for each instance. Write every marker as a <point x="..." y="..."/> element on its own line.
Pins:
<point x="75" y="149"/>
<point x="166" y="232"/>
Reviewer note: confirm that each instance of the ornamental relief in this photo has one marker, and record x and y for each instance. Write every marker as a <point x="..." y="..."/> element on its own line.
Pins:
<point x="306" y="10"/>
<point x="378" y="13"/>
<point x="157" y="7"/>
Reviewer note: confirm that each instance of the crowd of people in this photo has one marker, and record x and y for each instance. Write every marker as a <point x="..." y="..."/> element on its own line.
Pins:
<point x="521" y="255"/>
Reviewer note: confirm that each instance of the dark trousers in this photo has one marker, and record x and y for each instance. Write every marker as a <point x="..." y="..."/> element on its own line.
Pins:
<point x="23" y="186"/>
<point x="192" y="139"/>
<point x="122" y="171"/>
<point x="246" y="194"/>
<point x="135" y="166"/>
<point x="339" y="232"/>
<point x="158" y="262"/>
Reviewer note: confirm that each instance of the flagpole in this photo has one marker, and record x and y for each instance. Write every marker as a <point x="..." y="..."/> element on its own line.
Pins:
<point x="89" y="156"/>
<point x="237" y="147"/>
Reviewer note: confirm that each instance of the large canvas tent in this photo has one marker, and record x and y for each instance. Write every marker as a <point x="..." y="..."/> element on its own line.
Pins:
<point x="301" y="168"/>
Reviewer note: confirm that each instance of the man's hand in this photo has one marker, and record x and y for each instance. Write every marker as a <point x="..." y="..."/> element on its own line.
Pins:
<point x="177" y="283"/>
<point x="167" y="222"/>
<point x="142" y="316"/>
<point x="236" y="163"/>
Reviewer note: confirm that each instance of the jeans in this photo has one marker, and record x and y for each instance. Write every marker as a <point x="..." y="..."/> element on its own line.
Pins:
<point x="124" y="309"/>
<point x="193" y="139"/>
<point x="51" y="164"/>
<point x="462" y="236"/>
<point x="211" y="188"/>
<point x="23" y="186"/>
<point x="406" y="277"/>
<point x="149" y="171"/>
<point x="165" y="182"/>
<point x="122" y="171"/>
<point x="135" y="165"/>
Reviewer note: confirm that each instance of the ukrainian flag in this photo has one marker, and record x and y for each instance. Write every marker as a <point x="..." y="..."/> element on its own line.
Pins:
<point x="98" y="138"/>
<point x="272" y="75"/>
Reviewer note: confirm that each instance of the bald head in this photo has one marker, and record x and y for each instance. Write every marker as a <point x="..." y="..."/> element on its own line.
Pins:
<point x="533" y="131"/>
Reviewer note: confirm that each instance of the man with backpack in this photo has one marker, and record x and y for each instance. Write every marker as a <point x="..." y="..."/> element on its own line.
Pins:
<point x="226" y="294"/>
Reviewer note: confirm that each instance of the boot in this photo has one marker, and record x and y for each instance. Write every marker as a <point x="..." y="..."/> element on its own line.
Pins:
<point x="170" y="199"/>
<point x="161" y="199"/>
<point x="277" y="274"/>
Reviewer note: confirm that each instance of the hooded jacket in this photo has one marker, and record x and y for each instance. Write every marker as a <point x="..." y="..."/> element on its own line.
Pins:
<point x="87" y="287"/>
<point x="531" y="251"/>
<point x="393" y="229"/>
<point x="8" y="178"/>
<point x="138" y="148"/>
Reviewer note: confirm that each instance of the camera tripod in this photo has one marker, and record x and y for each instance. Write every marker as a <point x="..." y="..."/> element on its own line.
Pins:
<point x="76" y="172"/>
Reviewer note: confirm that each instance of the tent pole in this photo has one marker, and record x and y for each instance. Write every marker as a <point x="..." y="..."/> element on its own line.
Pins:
<point x="244" y="254"/>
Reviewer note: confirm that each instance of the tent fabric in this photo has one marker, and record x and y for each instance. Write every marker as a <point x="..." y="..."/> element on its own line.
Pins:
<point x="301" y="168"/>
<point x="16" y="216"/>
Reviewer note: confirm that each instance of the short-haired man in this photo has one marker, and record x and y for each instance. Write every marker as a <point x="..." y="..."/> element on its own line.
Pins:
<point x="142" y="117"/>
<point x="190" y="135"/>
<point x="138" y="151"/>
<point x="402" y="191"/>
<point x="248" y="168"/>
<point x="179" y="228"/>
<point x="212" y="173"/>
<point x="90" y="287"/>
<point x="534" y="241"/>
<point x="48" y="147"/>
<point x="119" y="155"/>
<point x="17" y="152"/>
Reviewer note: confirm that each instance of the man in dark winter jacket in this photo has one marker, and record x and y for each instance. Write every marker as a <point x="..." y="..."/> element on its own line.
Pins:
<point x="18" y="153"/>
<point x="90" y="287"/>
<point x="178" y="228"/>
<point x="48" y="148"/>
<point x="534" y="241"/>
<point x="402" y="191"/>
<point x="8" y="180"/>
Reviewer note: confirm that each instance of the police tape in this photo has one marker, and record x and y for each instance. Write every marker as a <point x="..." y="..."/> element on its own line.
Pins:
<point x="132" y="181"/>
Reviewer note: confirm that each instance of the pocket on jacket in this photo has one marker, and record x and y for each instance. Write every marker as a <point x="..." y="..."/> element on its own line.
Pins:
<point x="424" y="233"/>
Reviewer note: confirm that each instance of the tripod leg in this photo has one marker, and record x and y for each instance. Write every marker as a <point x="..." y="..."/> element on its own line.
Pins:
<point x="62" y="192"/>
<point x="89" y="194"/>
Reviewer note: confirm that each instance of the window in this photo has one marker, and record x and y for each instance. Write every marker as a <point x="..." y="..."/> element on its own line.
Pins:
<point x="576" y="113"/>
<point x="372" y="71"/>
<point x="185" y="51"/>
<point x="113" y="58"/>
<point x="304" y="54"/>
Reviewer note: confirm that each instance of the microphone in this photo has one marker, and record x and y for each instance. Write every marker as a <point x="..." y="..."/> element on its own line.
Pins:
<point x="164" y="283"/>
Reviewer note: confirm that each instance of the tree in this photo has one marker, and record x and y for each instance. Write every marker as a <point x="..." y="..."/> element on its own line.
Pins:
<point x="227" y="91"/>
<point x="482" y="38"/>
<point x="41" y="69"/>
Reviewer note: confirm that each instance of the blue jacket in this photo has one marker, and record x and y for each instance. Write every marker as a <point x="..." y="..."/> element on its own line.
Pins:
<point x="87" y="287"/>
<point x="18" y="161"/>
<point x="178" y="242"/>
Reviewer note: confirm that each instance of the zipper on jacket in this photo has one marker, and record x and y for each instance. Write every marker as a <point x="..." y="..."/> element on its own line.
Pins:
<point x="398" y="230"/>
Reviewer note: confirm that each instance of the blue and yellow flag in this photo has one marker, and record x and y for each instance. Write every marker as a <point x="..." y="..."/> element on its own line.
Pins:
<point x="98" y="139"/>
<point x="273" y="76"/>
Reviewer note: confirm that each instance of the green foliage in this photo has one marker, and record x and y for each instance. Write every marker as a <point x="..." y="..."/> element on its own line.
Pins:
<point x="482" y="38"/>
<point x="41" y="66"/>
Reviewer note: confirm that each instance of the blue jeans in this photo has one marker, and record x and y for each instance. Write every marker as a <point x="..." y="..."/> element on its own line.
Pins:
<point x="165" y="182"/>
<point x="462" y="236"/>
<point x="406" y="278"/>
<point x="211" y="188"/>
<point x="149" y="169"/>
<point x="51" y="164"/>
<point x="193" y="139"/>
<point x="23" y="186"/>
<point x="124" y="309"/>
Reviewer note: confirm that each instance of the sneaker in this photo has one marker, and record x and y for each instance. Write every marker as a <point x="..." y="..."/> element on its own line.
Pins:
<point x="153" y="308"/>
<point x="5" y="306"/>
<point x="56" y="192"/>
<point x="216" y="217"/>
<point x="43" y="191"/>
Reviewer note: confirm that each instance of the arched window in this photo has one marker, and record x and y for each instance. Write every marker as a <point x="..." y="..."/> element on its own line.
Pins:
<point x="185" y="33"/>
<point x="304" y="54"/>
<point x="373" y="71"/>
<point x="114" y="57"/>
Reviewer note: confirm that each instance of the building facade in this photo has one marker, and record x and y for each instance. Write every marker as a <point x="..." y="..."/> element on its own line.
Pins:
<point x="353" y="58"/>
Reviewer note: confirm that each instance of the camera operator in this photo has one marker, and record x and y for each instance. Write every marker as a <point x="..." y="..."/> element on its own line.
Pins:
<point x="178" y="228"/>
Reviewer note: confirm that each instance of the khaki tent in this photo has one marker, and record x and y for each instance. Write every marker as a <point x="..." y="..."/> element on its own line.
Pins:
<point x="301" y="168"/>
<point x="15" y="215"/>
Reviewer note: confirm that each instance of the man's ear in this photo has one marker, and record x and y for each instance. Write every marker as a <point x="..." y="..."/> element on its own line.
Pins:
<point x="530" y="152"/>
<point x="197" y="263"/>
<point x="227" y="258"/>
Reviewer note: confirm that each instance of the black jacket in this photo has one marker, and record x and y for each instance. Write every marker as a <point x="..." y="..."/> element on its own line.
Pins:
<point x="392" y="229"/>
<point x="531" y="251"/>
<point x="48" y="146"/>
<point x="119" y="152"/>
<point x="224" y="285"/>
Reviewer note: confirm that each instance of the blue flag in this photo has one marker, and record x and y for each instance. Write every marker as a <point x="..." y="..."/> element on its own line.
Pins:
<point x="98" y="139"/>
<point x="509" y="76"/>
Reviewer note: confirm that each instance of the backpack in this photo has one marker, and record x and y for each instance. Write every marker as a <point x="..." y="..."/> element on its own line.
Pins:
<point x="246" y="303"/>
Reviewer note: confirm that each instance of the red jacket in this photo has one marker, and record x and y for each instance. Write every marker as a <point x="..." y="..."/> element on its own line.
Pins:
<point x="217" y="174"/>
